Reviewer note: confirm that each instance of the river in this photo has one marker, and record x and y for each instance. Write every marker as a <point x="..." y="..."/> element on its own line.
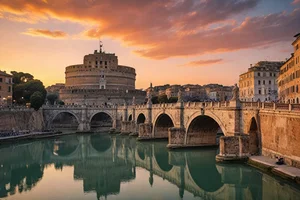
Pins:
<point x="101" y="166"/>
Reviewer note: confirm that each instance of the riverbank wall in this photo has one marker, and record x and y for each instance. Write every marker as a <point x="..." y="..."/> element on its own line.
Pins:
<point x="21" y="119"/>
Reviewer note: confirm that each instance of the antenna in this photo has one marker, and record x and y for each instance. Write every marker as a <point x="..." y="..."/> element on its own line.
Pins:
<point x="101" y="45"/>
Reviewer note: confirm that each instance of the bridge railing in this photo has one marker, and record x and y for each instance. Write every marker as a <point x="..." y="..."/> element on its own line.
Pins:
<point x="15" y="108"/>
<point x="271" y="106"/>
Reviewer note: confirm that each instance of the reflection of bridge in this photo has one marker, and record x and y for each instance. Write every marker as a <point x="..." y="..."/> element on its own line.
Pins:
<point x="197" y="124"/>
<point x="103" y="162"/>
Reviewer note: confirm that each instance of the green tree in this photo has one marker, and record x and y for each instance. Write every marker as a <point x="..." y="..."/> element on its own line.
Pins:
<point x="173" y="99"/>
<point x="52" y="97"/>
<point x="154" y="100"/>
<point x="163" y="99"/>
<point x="21" y="77"/>
<point x="60" y="102"/>
<point x="36" y="100"/>
<point x="23" y="91"/>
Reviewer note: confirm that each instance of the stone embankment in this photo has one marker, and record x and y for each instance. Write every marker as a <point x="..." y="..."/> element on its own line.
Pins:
<point x="20" y="119"/>
<point x="269" y="165"/>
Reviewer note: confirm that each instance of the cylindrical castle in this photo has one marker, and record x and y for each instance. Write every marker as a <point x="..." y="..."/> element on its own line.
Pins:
<point x="100" y="80"/>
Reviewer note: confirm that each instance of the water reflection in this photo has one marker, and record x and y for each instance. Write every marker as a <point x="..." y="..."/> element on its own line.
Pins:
<point x="103" y="163"/>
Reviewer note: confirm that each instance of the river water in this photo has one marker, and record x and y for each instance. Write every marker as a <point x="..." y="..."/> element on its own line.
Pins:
<point x="99" y="166"/>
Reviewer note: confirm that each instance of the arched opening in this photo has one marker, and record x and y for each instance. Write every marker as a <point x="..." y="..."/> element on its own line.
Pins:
<point x="141" y="119"/>
<point x="100" y="143"/>
<point x="130" y="118"/>
<point x="203" y="131"/>
<point x="141" y="152"/>
<point x="65" y="121"/>
<point x="162" y="156"/>
<point x="101" y="122"/>
<point x="162" y="124"/>
<point x="65" y="146"/>
<point x="202" y="168"/>
<point x="254" y="139"/>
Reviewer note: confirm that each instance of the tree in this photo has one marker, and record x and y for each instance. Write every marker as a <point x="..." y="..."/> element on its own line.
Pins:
<point x="21" y="77"/>
<point x="52" y="97"/>
<point x="36" y="100"/>
<point x="173" y="99"/>
<point x="163" y="99"/>
<point x="23" y="91"/>
<point x="154" y="100"/>
<point x="60" y="102"/>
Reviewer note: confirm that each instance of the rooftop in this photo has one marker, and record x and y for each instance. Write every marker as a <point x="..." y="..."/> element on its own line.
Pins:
<point x="3" y="73"/>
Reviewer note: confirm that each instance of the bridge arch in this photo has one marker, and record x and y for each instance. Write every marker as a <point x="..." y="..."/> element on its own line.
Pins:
<point x="65" y="146"/>
<point x="65" y="119"/>
<point x="101" y="143"/>
<point x="101" y="121"/>
<point x="202" y="129"/>
<point x="254" y="137"/>
<point x="202" y="169"/>
<point x="161" y="156"/>
<point x="141" y="118"/>
<point x="162" y="123"/>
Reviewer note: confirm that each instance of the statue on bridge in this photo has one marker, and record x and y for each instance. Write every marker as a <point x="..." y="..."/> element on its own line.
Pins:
<point x="179" y="95"/>
<point x="235" y="93"/>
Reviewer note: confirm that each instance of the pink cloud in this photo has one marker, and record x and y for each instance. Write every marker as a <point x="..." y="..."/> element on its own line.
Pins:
<point x="200" y="63"/>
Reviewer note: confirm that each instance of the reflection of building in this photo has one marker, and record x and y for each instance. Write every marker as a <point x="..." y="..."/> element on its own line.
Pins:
<point x="100" y="80"/>
<point x="5" y="88"/>
<point x="104" y="164"/>
<point x="259" y="83"/>
<point x="289" y="79"/>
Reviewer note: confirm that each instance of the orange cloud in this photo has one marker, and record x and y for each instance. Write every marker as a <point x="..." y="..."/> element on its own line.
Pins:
<point x="169" y="28"/>
<point x="200" y="63"/>
<point x="46" y="33"/>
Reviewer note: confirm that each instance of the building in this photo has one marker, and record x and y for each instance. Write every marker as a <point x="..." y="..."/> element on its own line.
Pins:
<point x="259" y="83"/>
<point x="55" y="88"/>
<point x="5" y="88"/>
<point x="223" y="93"/>
<point x="100" y="80"/>
<point x="289" y="78"/>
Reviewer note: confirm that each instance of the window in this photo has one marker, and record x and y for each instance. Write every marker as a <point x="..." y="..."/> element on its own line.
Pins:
<point x="105" y="63"/>
<point x="270" y="82"/>
<point x="96" y="62"/>
<point x="0" y="87"/>
<point x="258" y="82"/>
<point x="1" y="80"/>
<point x="259" y="91"/>
<point x="264" y="82"/>
<point x="258" y="74"/>
<point x="9" y="89"/>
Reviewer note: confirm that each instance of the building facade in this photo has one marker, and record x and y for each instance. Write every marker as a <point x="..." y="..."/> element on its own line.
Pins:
<point x="5" y="88"/>
<point x="55" y="88"/>
<point x="289" y="78"/>
<point x="259" y="83"/>
<point x="100" y="81"/>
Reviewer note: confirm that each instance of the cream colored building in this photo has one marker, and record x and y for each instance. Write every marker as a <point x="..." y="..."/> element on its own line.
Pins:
<point x="289" y="79"/>
<point x="5" y="88"/>
<point x="259" y="83"/>
<point x="100" y="80"/>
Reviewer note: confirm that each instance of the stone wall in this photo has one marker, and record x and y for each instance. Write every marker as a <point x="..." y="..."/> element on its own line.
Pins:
<point x="281" y="136"/>
<point x="21" y="120"/>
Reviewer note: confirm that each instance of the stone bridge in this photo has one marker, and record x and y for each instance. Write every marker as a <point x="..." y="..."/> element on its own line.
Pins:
<point x="248" y="127"/>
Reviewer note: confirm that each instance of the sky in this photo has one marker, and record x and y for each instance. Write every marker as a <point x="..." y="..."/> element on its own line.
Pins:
<point x="167" y="42"/>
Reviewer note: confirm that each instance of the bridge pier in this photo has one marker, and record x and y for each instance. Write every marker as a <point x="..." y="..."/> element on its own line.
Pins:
<point x="145" y="131"/>
<point x="84" y="126"/>
<point x="128" y="127"/>
<point x="233" y="148"/>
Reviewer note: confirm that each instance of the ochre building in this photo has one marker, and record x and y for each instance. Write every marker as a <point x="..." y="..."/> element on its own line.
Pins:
<point x="289" y="79"/>
<point x="100" y="80"/>
<point x="259" y="83"/>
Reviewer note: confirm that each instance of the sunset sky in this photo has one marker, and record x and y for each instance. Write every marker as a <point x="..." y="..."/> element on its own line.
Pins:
<point x="166" y="41"/>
